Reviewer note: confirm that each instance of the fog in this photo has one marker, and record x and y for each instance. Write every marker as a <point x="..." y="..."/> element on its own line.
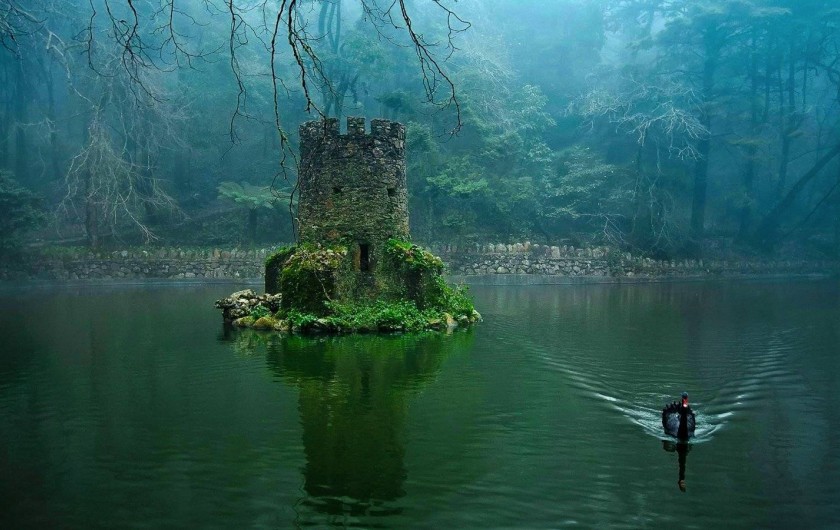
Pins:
<point x="665" y="128"/>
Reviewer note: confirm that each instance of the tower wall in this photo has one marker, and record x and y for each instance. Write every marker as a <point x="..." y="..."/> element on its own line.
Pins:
<point x="353" y="186"/>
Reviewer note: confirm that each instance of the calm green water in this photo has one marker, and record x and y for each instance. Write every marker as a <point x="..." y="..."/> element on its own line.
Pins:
<point x="132" y="407"/>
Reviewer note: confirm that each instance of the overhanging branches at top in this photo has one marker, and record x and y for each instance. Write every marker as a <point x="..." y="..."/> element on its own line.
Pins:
<point x="165" y="35"/>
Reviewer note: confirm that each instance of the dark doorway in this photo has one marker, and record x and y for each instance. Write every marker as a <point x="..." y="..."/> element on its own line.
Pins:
<point x="364" y="257"/>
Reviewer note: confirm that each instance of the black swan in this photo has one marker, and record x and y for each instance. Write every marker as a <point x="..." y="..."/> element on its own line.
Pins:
<point x="678" y="419"/>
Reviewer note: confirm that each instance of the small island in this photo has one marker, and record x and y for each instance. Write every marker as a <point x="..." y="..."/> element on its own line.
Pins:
<point x="354" y="268"/>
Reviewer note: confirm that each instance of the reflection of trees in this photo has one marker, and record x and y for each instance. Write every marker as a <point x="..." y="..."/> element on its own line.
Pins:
<point x="354" y="396"/>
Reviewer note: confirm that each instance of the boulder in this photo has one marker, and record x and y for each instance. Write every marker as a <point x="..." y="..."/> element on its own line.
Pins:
<point x="265" y="323"/>
<point x="244" y="322"/>
<point x="450" y="322"/>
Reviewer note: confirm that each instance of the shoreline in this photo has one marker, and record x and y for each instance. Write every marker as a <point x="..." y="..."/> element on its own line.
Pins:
<point x="518" y="264"/>
<point x="485" y="280"/>
<point x="535" y="279"/>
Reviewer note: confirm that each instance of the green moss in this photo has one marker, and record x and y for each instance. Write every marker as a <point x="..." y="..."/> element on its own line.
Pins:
<point x="368" y="317"/>
<point x="259" y="311"/>
<point x="279" y="256"/>
<point x="308" y="278"/>
<point x="244" y="322"/>
<point x="266" y="322"/>
<point x="323" y="292"/>
<point x="419" y="272"/>
<point x="273" y="265"/>
<point x="404" y="256"/>
<point x="300" y="320"/>
<point x="451" y="299"/>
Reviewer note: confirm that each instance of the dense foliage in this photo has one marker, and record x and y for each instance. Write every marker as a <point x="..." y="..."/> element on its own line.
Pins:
<point x="651" y="125"/>
<point x="21" y="212"/>
<point x="405" y="257"/>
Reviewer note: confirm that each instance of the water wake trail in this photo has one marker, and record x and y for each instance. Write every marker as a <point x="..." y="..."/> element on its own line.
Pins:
<point x="752" y="368"/>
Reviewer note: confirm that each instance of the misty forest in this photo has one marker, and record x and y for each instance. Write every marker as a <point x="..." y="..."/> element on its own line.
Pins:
<point x="656" y="126"/>
<point x="419" y="263"/>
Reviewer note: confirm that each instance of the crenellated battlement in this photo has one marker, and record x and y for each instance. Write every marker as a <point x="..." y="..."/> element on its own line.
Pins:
<point x="329" y="128"/>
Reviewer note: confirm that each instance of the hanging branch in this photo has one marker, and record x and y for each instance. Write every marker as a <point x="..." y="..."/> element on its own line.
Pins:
<point x="433" y="74"/>
<point x="163" y="47"/>
<point x="311" y="70"/>
<point x="15" y="23"/>
<point x="429" y="65"/>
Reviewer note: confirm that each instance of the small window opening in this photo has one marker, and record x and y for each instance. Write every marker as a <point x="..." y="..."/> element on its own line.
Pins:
<point x="364" y="257"/>
<point x="392" y="192"/>
<point x="337" y="189"/>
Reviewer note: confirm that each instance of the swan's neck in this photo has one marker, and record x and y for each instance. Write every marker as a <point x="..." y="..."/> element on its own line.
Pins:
<point x="682" y="431"/>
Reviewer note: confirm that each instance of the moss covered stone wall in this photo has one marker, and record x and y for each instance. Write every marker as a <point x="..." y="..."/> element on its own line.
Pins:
<point x="353" y="187"/>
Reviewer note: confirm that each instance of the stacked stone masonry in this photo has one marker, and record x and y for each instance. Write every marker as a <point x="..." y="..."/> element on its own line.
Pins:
<point x="598" y="263"/>
<point x="164" y="263"/>
<point x="607" y="263"/>
<point x="353" y="186"/>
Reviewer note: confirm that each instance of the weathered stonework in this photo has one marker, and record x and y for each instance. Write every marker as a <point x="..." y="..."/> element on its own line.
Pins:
<point x="490" y="263"/>
<point x="474" y="263"/>
<point x="137" y="264"/>
<point x="353" y="187"/>
<point x="352" y="201"/>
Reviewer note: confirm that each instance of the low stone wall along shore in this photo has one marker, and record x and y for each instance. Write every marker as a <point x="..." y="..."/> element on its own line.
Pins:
<point x="609" y="264"/>
<point x="164" y="263"/>
<point x="488" y="261"/>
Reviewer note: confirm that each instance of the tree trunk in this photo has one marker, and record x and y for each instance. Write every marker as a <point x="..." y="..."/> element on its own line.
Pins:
<point x="252" y="225"/>
<point x="788" y="121"/>
<point x="91" y="211"/>
<point x="745" y="216"/>
<point x="698" y="199"/>
<point x="91" y="217"/>
<point x="430" y="219"/>
<point x="837" y="220"/>
<point x="21" y="145"/>
<point x="4" y="122"/>
<point x="711" y="42"/>
<point x="767" y="233"/>
<point x="54" y="156"/>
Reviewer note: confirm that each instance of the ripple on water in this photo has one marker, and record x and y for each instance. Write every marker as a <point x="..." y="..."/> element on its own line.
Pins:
<point x="748" y="369"/>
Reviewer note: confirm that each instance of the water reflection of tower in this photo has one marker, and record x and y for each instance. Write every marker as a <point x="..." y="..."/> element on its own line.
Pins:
<point x="354" y="394"/>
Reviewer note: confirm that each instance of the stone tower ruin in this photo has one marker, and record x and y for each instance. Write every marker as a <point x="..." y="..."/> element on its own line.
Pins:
<point x="352" y="202"/>
<point x="353" y="187"/>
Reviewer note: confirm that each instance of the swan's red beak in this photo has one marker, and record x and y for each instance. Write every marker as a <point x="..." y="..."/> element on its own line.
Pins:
<point x="685" y="402"/>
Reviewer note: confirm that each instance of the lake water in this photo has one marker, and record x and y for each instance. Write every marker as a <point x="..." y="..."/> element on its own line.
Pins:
<point x="132" y="406"/>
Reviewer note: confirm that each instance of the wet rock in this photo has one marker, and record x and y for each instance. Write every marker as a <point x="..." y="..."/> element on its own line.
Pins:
<point x="265" y="323"/>
<point x="242" y="303"/>
<point x="451" y="323"/>
<point x="244" y="322"/>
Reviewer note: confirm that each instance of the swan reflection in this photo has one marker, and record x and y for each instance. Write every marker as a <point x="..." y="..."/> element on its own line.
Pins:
<point x="682" y="449"/>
